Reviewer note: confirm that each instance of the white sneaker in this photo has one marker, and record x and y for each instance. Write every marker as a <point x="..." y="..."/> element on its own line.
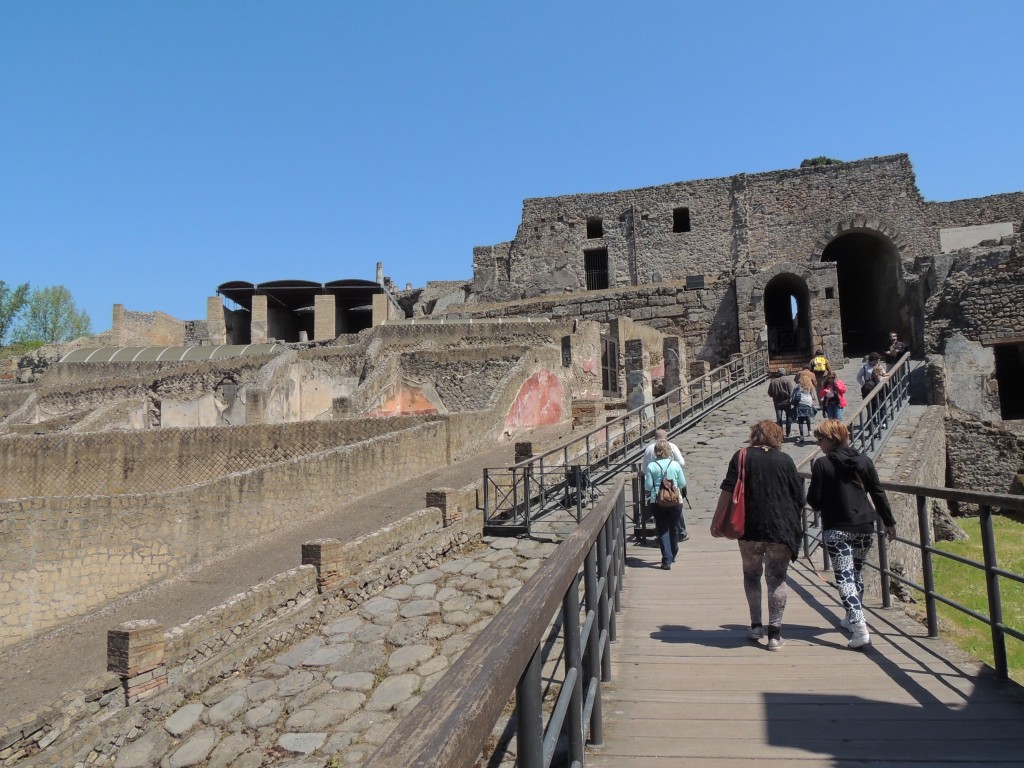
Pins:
<point x="860" y="636"/>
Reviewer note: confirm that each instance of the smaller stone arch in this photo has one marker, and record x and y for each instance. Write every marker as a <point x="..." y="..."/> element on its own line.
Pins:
<point x="765" y="301"/>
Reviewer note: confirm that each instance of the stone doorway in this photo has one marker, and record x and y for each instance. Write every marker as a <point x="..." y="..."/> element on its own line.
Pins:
<point x="787" y="314"/>
<point x="869" y="280"/>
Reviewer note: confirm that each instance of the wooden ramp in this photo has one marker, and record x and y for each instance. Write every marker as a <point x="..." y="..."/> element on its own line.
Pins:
<point x="690" y="690"/>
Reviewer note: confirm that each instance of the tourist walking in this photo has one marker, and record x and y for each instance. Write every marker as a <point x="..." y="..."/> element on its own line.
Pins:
<point x="865" y="372"/>
<point x="661" y="434"/>
<point x="805" y="403"/>
<point x="780" y="390"/>
<point x="832" y="396"/>
<point x="771" y="538"/>
<point x="845" y="489"/>
<point x="666" y="518"/>
<point x="819" y="366"/>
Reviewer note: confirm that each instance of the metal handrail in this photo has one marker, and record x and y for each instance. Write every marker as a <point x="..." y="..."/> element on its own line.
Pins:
<point x="516" y="497"/>
<point x="452" y="723"/>
<point x="993" y="574"/>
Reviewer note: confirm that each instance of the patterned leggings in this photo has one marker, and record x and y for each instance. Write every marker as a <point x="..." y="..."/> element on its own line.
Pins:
<point x="847" y="551"/>
<point x="773" y="561"/>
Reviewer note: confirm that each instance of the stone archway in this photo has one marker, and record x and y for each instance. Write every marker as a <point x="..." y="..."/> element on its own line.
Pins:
<point x="787" y="316"/>
<point x="866" y="253"/>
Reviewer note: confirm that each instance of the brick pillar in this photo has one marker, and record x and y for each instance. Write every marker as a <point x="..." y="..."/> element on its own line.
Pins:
<point x="670" y="349"/>
<point x="135" y="652"/>
<point x="326" y="555"/>
<point x="523" y="452"/>
<point x="635" y="374"/>
<point x="117" y="326"/>
<point x="324" y="318"/>
<point x="258" y="324"/>
<point x="454" y="503"/>
<point x="216" y="329"/>
<point x="341" y="407"/>
<point x="380" y="309"/>
<point x="255" y="406"/>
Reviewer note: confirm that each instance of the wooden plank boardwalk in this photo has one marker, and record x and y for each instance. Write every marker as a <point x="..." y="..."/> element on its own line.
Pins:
<point x="690" y="690"/>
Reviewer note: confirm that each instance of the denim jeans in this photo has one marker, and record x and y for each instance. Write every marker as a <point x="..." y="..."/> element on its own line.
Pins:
<point x="784" y="412"/>
<point x="666" y="522"/>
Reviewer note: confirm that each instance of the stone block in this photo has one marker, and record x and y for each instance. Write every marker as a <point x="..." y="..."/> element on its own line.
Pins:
<point x="327" y="556"/>
<point x="135" y="647"/>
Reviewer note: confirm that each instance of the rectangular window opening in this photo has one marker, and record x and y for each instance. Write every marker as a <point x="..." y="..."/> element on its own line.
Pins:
<point x="680" y="219"/>
<point x="1009" y="374"/>
<point x="595" y="264"/>
<point x="595" y="227"/>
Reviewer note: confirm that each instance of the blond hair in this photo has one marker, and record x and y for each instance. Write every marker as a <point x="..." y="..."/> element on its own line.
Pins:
<point x="834" y="431"/>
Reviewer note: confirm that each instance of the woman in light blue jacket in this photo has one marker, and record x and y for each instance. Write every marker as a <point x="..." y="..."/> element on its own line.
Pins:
<point x="666" y="518"/>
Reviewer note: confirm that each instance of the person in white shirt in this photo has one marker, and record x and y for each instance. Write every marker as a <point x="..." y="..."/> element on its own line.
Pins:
<point x="662" y="434"/>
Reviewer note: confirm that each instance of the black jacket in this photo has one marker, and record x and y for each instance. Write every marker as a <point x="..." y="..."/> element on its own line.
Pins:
<point x="844" y="483"/>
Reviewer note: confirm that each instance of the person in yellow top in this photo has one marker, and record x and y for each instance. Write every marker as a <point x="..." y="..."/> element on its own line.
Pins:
<point x="819" y="365"/>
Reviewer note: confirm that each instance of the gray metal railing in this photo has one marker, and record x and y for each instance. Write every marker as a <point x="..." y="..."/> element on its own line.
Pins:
<point x="567" y="478"/>
<point x="988" y="569"/>
<point x="870" y="426"/>
<point x="515" y="652"/>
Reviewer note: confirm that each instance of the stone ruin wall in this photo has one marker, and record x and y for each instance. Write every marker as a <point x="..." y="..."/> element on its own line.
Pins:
<point x="147" y="461"/>
<point x="88" y="550"/>
<point x="700" y="317"/>
<point x="980" y="303"/>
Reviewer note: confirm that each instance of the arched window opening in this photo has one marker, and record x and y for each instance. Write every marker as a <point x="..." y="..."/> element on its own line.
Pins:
<point x="787" y="316"/>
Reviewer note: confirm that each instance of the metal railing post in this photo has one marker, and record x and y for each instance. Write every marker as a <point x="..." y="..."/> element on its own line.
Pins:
<point x="591" y="665"/>
<point x="530" y="715"/>
<point x="883" y="564"/>
<point x="604" y="619"/>
<point x="571" y="633"/>
<point x="924" y="532"/>
<point x="995" y="603"/>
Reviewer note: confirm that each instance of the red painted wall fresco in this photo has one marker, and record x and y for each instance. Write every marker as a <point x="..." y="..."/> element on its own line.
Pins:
<point x="539" y="402"/>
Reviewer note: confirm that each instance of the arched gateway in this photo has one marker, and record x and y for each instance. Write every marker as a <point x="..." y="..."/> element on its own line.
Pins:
<point x="870" y="279"/>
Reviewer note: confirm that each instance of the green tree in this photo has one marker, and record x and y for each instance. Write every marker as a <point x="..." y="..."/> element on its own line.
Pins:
<point x="51" y="316"/>
<point x="12" y="301"/>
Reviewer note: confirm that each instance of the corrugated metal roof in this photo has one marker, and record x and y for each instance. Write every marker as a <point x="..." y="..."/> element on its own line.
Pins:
<point x="167" y="354"/>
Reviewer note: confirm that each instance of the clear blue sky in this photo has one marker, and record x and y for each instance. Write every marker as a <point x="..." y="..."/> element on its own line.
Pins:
<point x="150" y="151"/>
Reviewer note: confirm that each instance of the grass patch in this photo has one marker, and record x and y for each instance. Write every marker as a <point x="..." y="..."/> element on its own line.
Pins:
<point x="966" y="585"/>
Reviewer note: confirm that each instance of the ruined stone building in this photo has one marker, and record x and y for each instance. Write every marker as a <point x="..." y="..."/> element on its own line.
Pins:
<point x="292" y="386"/>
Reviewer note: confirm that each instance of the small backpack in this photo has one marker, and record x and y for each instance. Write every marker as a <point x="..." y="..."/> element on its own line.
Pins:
<point x="819" y="364"/>
<point x="668" y="493"/>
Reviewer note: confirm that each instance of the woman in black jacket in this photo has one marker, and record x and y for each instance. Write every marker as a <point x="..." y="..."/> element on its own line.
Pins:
<point x="846" y="490"/>
<point x="774" y="496"/>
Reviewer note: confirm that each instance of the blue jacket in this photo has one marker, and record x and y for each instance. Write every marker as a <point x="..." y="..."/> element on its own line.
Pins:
<point x="656" y="470"/>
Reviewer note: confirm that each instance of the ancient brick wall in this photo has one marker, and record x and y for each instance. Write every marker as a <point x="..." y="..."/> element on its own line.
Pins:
<point x="89" y="550"/>
<point x="105" y="463"/>
<point x="979" y="210"/>
<point x="705" y="319"/>
<point x="983" y="457"/>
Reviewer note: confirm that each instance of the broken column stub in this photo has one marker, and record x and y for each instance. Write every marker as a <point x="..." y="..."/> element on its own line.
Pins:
<point x="327" y="556"/>
<point x="135" y="652"/>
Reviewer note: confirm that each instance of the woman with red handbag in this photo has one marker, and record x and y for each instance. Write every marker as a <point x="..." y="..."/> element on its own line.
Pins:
<point x="773" y="496"/>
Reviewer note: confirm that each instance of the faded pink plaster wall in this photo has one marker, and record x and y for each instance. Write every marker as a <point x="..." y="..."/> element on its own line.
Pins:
<point x="410" y="401"/>
<point x="539" y="402"/>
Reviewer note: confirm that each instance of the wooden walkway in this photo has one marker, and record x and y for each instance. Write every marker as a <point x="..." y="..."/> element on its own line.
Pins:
<point x="690" y="690"/>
